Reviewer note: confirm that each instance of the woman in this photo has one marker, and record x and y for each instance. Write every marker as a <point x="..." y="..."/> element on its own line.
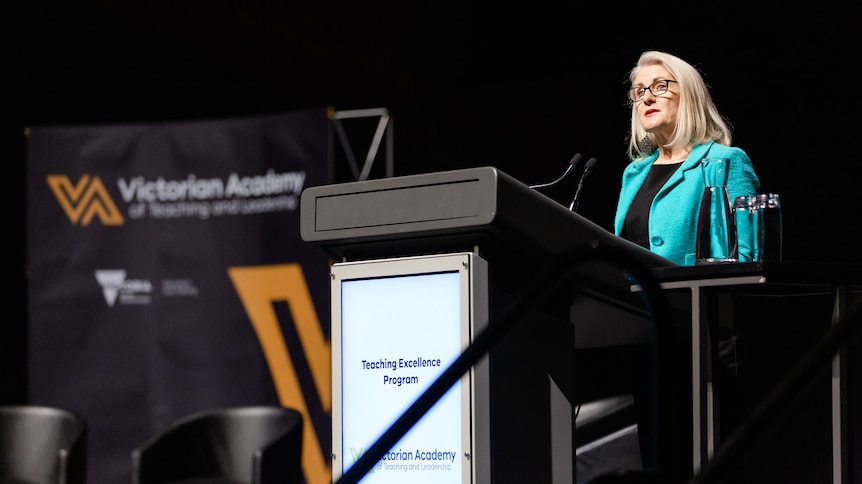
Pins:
<point x="674" y="125"/>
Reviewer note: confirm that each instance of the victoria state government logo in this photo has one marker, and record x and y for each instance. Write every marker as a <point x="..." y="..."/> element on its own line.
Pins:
<point x="85" y="200"/>
<point x="116" y="288"/>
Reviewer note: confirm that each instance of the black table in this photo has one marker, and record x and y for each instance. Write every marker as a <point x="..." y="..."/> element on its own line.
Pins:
<point x="795" y="288"/>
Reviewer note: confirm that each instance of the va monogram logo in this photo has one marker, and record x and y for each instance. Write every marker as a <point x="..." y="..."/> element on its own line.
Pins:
<point x="86" y="200"/>
<point x="260" y="288"/>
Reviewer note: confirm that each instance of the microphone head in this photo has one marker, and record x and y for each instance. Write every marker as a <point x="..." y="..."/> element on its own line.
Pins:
<point x="570" y="168"/>
<point x="591" y="163"/>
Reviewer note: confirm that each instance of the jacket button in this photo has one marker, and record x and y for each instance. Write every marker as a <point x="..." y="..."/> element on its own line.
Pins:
<point x="656" y="240"/>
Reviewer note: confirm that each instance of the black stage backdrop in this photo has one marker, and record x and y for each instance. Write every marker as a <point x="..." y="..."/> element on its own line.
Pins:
<point x="167" y="275"/>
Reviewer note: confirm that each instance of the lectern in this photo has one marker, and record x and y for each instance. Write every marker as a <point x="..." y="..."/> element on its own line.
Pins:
<point x="527" y="393"/>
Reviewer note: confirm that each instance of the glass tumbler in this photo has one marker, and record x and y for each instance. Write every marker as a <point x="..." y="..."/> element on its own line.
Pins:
<point x="768" y="238"/>
<point x="745" y="216"/>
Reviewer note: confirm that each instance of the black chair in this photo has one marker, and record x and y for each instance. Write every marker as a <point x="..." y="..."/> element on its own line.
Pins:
<point x="42" y="445"/>
<point x="233" y="445"/>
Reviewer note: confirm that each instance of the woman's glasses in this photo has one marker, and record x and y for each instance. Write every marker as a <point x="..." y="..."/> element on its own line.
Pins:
<point x="657" y="88"/>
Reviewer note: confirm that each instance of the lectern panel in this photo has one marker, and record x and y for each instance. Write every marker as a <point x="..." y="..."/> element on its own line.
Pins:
<point x="397" y="325"/>
<point x="390" y="207"/>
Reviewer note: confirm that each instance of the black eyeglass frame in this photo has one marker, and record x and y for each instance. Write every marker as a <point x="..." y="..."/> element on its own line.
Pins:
<point x="631" y="92"/>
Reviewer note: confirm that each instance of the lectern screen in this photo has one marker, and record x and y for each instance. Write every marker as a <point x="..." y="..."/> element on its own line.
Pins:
<point x="397" y="325"/>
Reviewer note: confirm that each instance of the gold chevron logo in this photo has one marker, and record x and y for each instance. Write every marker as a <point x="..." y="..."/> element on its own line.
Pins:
<point x="85" y="200"/>
<point x="259" y="287"/>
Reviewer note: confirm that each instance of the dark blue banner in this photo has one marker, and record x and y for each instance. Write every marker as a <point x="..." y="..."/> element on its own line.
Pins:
<point x="166" y="275"/>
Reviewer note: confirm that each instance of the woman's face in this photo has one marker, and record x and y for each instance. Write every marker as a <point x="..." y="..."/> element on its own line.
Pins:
<point x="657" y="113"/>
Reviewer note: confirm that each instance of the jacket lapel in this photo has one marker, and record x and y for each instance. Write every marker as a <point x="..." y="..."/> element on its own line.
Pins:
<point x="692" y="162"/>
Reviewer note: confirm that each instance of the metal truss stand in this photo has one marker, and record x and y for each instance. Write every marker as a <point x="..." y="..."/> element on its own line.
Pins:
<point x="382" y="133"/>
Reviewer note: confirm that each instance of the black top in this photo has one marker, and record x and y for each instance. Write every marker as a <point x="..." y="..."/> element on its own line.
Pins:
<point x="636" y="225"/>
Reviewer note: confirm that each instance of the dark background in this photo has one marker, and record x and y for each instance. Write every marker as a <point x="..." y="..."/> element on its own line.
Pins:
<point x="520" y="87"/>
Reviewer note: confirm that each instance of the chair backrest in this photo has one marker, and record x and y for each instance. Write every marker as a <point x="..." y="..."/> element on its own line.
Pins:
<point x="41" y="444"/>
<point x="254" y="445"/>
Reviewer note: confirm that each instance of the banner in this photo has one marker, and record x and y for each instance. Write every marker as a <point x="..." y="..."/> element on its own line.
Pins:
<point x="166" y="275"/>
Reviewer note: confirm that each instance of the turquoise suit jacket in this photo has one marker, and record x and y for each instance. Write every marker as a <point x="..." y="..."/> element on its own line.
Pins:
<point x="676" y="207"/>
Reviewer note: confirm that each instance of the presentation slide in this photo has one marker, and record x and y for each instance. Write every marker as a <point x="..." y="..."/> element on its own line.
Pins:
<point x="398" y="335"/>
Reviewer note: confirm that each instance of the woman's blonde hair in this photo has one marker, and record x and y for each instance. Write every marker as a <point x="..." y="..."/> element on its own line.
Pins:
<point x="698" y="120"/>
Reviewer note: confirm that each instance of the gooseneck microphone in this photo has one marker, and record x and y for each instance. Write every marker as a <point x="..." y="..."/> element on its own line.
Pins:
<point x="587" y="168"/>
<point x="572" y="164"/>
